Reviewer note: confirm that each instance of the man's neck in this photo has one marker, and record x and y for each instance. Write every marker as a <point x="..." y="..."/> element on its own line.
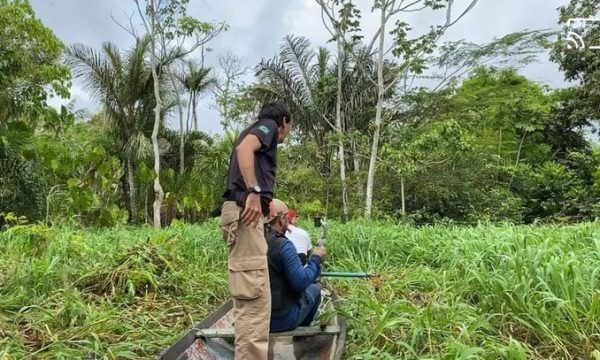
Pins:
<point x="277" y="229"/>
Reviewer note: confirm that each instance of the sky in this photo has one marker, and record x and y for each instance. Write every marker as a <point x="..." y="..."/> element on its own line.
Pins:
<point x="257" y="27"/>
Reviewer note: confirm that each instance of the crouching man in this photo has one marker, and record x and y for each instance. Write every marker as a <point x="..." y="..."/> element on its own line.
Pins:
<point x="295" y="297"/>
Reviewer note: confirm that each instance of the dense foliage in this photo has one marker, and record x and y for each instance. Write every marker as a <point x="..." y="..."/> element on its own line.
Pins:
<point x="489" y="145"/>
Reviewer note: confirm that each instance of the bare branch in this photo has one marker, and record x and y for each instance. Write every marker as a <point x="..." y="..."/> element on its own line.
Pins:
<point x="324" y="11"/>
<point x="449" y="14"/>
<point x="381" y="25"/>
<point x="328" y="122"/>
<point x="415" y="10"/>
<point x="404" y="68"/>
<point x="142" y="15"/>
<point x="407" y="7"/>
<point x="392" y="11"/>
<point x="130" y="30"/>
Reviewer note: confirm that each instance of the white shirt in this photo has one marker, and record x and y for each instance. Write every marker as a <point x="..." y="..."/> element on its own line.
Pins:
<point x="300" y="238"/>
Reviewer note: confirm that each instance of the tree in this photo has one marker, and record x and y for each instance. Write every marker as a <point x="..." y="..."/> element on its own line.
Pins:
<point x="497" y="146"/>
<point x="30" y="69"/>
<point x="341" y="25"/>
<point x="306" y="79"/>
<point x="194" y="80"/>
<point x="123" y="83"/>
<point x="580" y="65"/>
<point x="302" y="78"/>
<point x="168" y="26"/>
<point x="457" y="59"/>
<point x="228" y="89"/>
<point x="30" y="73"/>
<point x="81" y="175"/>
<point x="410" y="52"/>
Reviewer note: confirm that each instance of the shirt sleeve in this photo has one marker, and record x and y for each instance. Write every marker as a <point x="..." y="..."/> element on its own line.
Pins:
<point x="267" y="132"/>
<point x="298" y="276"/>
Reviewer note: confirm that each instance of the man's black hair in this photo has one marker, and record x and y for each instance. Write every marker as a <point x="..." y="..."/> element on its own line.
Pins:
<point x="275" y="110"/>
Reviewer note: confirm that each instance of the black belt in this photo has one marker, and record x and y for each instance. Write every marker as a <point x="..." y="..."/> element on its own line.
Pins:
<point x="240" y="199"/>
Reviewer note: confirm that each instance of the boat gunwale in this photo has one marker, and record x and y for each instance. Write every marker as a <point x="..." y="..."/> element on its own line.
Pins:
<point x="189" y="337"/>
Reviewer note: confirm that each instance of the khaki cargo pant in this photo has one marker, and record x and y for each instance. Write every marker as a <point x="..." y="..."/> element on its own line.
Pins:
<point x="248" y="283"/>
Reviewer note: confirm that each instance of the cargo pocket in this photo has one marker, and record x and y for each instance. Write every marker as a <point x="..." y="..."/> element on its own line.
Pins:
<point x="229" y="226"/>
<point x="247" y="277"/>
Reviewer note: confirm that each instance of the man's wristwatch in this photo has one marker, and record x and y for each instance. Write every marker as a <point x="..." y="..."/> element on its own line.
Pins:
<point x="254" y="189"/>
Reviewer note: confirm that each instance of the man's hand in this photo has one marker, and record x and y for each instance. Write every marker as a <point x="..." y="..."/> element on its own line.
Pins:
<point x="252" y="212"/>
<point x="320" y="251"/>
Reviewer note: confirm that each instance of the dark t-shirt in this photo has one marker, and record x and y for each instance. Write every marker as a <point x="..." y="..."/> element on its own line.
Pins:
<point x="265" y="159"/>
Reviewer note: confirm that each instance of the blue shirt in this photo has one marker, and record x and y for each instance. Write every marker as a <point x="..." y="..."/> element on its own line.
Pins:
<point x="298" y="277"/>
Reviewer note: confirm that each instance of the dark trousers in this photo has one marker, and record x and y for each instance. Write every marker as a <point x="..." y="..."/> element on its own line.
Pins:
<point x="303" y="313"/>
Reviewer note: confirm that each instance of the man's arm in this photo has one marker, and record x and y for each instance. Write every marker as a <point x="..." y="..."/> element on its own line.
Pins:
<point x="298" y="276"/>
<point x="245" y="155"/>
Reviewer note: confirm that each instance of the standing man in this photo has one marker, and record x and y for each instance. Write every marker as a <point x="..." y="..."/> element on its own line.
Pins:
<point x="298" y="236"/>
<point x="249" y="192"/>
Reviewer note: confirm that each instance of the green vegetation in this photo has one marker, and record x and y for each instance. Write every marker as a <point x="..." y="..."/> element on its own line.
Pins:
<point x="440" y="138"/>
<point x="504" y="291"/>
<point x="119" y="293"/>
<point x="486" y="143"/>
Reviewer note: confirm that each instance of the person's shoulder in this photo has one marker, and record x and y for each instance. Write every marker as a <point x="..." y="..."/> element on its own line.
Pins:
<point x="267" y="132"/>
<point x="265" y="125"/>
<point x="267" y="122"/>
<point x="287" y="246"/>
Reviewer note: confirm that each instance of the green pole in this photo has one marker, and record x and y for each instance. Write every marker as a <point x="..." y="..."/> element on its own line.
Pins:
<point x="346" y="274"/>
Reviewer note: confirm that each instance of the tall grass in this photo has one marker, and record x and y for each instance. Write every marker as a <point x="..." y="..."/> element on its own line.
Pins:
<point x="488" y="292"/>
<point x="119" y="293"/>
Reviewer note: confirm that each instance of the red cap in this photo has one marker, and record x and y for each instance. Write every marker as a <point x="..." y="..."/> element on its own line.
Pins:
<point x="292" y="214"/>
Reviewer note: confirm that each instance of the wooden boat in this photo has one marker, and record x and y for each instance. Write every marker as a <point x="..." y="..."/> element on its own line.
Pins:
<point x="213" y="338"/>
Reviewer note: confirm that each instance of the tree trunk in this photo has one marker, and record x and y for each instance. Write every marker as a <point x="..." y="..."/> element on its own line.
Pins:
<point x="403" y="211"/>
<point x="355" y="158"/>
<point x="340" y="131"/>
<point x="181" y="129"/>
<point x="359" y="184"/>
<point x="520" y="148"/>
<point x="146" y="217"/>
<point x="131" y="186"/>
<point x="518" y="159"/>
<point x="158" y="191"/>
<point x="500" y="143"/>
<point x="378" y="119"/>
<point x="194" y="108"/>
<point x="189" y="112"/>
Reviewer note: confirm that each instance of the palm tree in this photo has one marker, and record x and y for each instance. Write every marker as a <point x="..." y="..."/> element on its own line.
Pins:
<point x="196" y="80"/>
<point x="306" y="80"/>
<point x="122" y="81"/>
<point x="302" y="78"/>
